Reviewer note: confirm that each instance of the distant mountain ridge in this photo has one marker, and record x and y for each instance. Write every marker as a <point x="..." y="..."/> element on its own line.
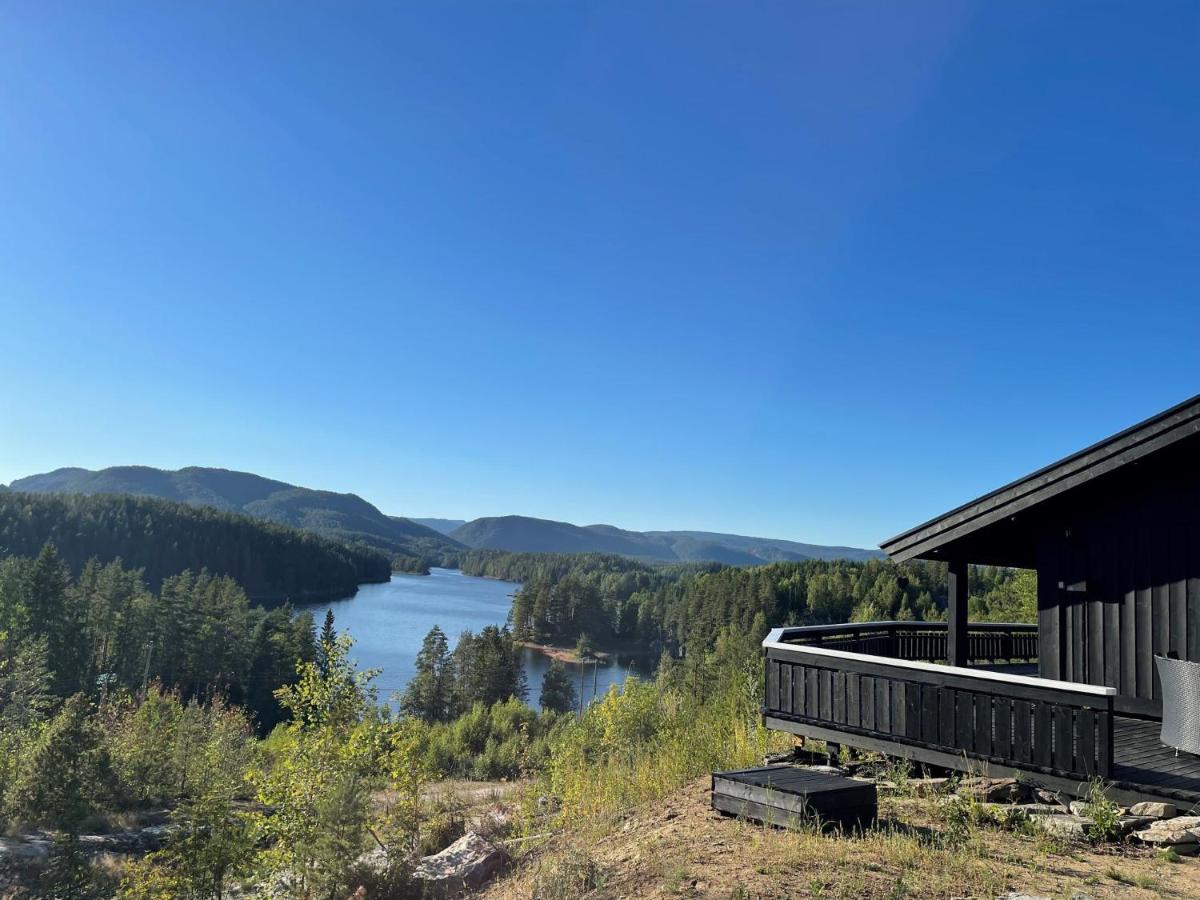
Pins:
<point x="349" y="518"/>
<point x="344" y="517"/>
<point x="528" y="535"/>
<point x="445" y="526"/>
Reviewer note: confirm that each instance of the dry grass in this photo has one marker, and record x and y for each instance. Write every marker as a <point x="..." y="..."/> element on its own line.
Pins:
<point x="678" y="847"/>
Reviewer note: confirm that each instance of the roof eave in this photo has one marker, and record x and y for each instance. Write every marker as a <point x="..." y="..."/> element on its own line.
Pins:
<point x="1121" y="449"/>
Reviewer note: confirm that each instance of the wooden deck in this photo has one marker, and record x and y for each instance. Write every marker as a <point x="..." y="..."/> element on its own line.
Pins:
<point x="1141" y="763"/>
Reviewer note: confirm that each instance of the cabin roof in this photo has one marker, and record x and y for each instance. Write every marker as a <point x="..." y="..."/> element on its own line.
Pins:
<point x="1131" y="445"/>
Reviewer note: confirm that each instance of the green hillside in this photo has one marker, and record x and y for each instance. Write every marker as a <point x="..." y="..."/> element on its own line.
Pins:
<point x="272" y="562"/>
<point x="342" y="517"/>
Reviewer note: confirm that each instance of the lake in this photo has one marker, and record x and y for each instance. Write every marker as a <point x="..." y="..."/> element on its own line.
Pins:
<point x="388" y="622"/>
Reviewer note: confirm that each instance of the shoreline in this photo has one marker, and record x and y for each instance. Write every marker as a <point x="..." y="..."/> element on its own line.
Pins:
<point x="567" y="654"/>
<point x="563" y="654"/>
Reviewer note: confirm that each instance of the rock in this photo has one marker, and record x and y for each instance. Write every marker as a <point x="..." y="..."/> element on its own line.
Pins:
<point x="1055" y="797"/>
<point x="772" y="759"/>
<point x="1164" y="837"/>
<point x="25" y="852"/>
<point x="927" y="787"/>
<point x="1073" y="828"/>
<point x="1177" y="823"/>
<point x="494" y="821"/>
<point x="1185" y="849"/>
<point x="1126" y="824"/>
<point x="1029" y="809"/>
<point x="1078" y="808"/>
<point x="1157" y="810"/>
<point x="996" y="790"/>
<point x="470" y="862"/>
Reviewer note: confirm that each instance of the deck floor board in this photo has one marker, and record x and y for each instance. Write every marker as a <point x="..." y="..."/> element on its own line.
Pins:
<point x="1140" y="758"/>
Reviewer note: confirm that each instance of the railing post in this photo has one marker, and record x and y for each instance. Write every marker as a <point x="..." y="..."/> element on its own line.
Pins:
<point x="1104" y="752"/>
<point x="957" y="639"/>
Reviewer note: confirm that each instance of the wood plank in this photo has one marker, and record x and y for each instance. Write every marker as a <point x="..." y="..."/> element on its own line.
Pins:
<point x="1144" y="623"/>
<point x="1193" y="589"/>
<point x="929" y="714"/>
<point x="854" y="817"/>
<point x="866" y="694"/>
<point x="799" y="690"/>
<point x="1064" y="744"/>
<point x="1022" y="748"/>
<point x="964" y="721"/>
<point x="947" y="734"/>
<point x="1128" y="616"/>
<point x="1002" y="730"/>
<point x="1042" y="734"/>
<point x="1085" y="734"/>
<point x="1177" y="586"/>
<point x="982" y="738"/>
<point x="853" y="700"/>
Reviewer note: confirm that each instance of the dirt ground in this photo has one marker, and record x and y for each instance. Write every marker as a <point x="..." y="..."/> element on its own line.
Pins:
<point x="679" y="847"/>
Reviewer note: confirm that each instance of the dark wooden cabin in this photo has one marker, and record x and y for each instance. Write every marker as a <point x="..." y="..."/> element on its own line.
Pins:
<point x="1114" y="534"/>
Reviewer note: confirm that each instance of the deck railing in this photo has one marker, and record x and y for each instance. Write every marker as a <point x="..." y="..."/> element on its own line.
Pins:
<point x="987" y="642"/>
<point x="890" y="702"/>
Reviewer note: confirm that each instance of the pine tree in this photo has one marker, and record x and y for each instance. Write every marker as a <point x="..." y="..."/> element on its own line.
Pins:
<point x="428" y="696"/>
<point x="558" y="693"/>
<point x="325" y="643"/>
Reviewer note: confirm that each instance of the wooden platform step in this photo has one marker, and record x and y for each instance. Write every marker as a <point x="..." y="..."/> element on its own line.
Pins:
<point x="795" y="796"/>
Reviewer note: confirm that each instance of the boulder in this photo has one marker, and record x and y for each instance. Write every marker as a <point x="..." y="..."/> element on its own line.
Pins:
<point x="1126" y="824"/>
<point x="1157" y="810"/>
<point x="1179" y="823"/>
<point x="1166" y="837"/>
<point x="32" y="852"/>
<point x="1029" y="809"/>
<point x="928" y="787"/>
<point x="1066" y="826"/>
<point x="470" y="862"/>
<point x="1045" y="796"/>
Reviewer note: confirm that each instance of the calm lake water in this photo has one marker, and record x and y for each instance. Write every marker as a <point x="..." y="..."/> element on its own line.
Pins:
<point x="389" y="621"/>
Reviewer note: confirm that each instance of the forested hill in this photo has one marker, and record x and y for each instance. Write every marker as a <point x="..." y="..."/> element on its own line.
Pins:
<point x="342" y="517"/>
<point x="521" y="534"/>
<point x="272" y="562"/>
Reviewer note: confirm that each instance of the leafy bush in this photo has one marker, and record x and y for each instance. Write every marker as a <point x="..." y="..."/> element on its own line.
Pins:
<point x="504" y="741"/>
<point x="650" y="737"/>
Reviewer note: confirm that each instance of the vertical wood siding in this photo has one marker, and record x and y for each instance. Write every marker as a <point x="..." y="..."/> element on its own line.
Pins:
<point x="1118" y="582"/>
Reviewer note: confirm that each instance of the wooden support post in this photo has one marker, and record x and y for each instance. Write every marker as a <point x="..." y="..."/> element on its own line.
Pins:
<point x="956" y="613"/>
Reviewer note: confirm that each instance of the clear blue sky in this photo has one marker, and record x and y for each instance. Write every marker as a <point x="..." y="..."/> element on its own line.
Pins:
<point x="807" y="270"/>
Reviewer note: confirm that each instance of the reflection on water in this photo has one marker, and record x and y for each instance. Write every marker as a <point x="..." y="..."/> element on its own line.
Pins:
<point x="388" y="622"/>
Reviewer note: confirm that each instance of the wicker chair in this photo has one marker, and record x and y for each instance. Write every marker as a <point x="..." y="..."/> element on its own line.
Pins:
<point x="1180" y="680"/>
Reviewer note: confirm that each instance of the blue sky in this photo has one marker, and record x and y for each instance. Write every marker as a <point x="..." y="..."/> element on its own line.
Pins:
<point x="816" y="271"/>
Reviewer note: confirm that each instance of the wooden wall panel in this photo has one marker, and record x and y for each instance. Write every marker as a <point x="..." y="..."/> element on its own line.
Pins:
<point x="1118" y="582"/>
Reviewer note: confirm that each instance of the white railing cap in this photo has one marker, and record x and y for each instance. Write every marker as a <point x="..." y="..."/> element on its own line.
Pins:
<point x="772" y="642"/>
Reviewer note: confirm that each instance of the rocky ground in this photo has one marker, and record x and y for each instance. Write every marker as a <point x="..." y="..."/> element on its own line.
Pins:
<point x="679" y="847"/>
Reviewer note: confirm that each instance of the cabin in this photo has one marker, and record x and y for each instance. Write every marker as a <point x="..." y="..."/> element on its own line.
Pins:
<point x="1113" y="532"/>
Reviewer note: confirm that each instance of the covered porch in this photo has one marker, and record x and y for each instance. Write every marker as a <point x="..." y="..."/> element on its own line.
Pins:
<point x="886" y="687"/>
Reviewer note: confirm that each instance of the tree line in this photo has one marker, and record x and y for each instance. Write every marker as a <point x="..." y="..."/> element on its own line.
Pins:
<point x="272" y="563"/>
<point x="105" y="631"/>
<point x="621" y="603"/>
